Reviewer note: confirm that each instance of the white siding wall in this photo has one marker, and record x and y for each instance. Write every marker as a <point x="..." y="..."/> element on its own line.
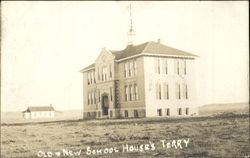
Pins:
<point x="152" y="78"/>
<point x="39" y="114"/>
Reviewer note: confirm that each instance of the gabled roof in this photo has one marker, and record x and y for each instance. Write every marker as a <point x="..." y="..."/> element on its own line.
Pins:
<point x="154" y="48"/>
<point x="39" y="108"/>
<point x="148" y="48"/>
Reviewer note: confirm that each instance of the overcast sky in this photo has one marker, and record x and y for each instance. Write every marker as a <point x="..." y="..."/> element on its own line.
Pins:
<point x="45" y="44"/>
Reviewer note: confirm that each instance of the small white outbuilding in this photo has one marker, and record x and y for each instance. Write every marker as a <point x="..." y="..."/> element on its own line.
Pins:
<point x="39" y="112"/>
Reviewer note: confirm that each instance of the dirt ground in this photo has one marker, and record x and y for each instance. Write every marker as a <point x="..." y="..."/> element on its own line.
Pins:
<point x="224" y="135"/>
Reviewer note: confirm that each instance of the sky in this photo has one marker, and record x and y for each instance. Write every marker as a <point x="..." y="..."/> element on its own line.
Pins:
<point x="45" y="44"/>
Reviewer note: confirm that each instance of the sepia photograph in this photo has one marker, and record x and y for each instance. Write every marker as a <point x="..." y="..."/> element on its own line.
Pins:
<point x="125" y="79"/>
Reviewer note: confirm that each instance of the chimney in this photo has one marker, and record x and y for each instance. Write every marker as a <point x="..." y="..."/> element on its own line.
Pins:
<point x="159" y="40"/>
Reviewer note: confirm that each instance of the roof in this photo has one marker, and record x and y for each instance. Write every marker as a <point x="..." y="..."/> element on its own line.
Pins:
<point x="148" y="48"/>
<point x="88" y="67"/>
<point x="154" y="48"/>
<point x="39" y="108"/>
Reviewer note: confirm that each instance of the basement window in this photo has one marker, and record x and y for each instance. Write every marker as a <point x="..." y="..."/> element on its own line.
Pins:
<point x="159" y="111"/>
<point x="180" y="111"/>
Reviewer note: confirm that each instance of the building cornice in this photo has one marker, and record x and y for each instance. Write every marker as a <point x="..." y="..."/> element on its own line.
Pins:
<point x="155" y="55"/>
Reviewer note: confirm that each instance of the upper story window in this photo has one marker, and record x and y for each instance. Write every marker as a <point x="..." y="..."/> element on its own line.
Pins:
<point x="104" y="73"/>
<point x="98" y="74"/>
<point x="165" y="91"/>
<point x="178" y="67"/>
<point x="91" y="77"/>
<point x="110" y="71"/>
<point x="177" y="91"/>
<point x="158" y="91"/>
<point x="126" y="93"/>
<point x="88" y="74"/>
<point x="165" y="69"/>
<point x="93" y="97"/>
<point x="185" y="91"/>
<point x="130" y="72"/>
<point x="89" y="97"/>
<point x="99" y="96"/>
<point x="130" y="92"/>
<point x="130" y="68"/>
<point x="157" y="65"/>
<point x="126" y="69"/>
<point x="136" y="91"/>
<point x="135" y="69"/>
<point x="185" y="67"/>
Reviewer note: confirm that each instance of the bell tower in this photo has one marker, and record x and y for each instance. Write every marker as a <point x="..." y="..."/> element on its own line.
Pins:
<point x="131" y="32"/>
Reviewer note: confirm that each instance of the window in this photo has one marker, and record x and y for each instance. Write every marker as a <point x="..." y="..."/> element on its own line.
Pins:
<point x="166" y="91"/>
<point x="126" y="93"/>
<point x="157" y="65"/>
<point x="111" y="93"/>
<point x="130" y="68"/>
<point x="99" y="95"/>
<point x="88" y="114"/>
<point x="135" y="69"/>
<point x="168" y="112"/>
<point x="178" y="91"/>
<point x="94" y="97"/>
<point x="178" y="67"/>
<point x="102" y="75"/>
<point x="89" y="98"/>
<point x="136" y="115"/>
<point x="88" y="78"/>
<point x="126" y="113"/>
<point x="136" y="92"/>
<point x="93" y="74"/>
<point x="111" y="114"/>
<point x="91" y="77"/>
<point x="133" y="92"/>
<point x="166" y="66"/>
<point x="130" y="92"/>
<point x="159" y="111"/>
<point x="159" y="88"/>
<point x="110" y="71"/>
<point x="158" y="91"/>
<point x="126" y="69"/>
<point x="99" y="114"/>
<point x="185" y="91"/>
<point x="180" y="111"/>
<point x="187" y="111"/>
<point x="98" y="74"/>
<point x="104" y="71"/>
<point x="185" y="67"/>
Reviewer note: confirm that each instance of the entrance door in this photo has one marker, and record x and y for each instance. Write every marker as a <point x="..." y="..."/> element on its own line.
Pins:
<point x="105" y="105"/>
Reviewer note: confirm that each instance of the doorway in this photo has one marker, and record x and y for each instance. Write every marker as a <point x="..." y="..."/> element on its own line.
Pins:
<point x="105" y="105"/>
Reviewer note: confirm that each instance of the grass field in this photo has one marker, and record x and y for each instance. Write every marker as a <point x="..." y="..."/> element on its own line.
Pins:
<point x="225" y="135"/>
